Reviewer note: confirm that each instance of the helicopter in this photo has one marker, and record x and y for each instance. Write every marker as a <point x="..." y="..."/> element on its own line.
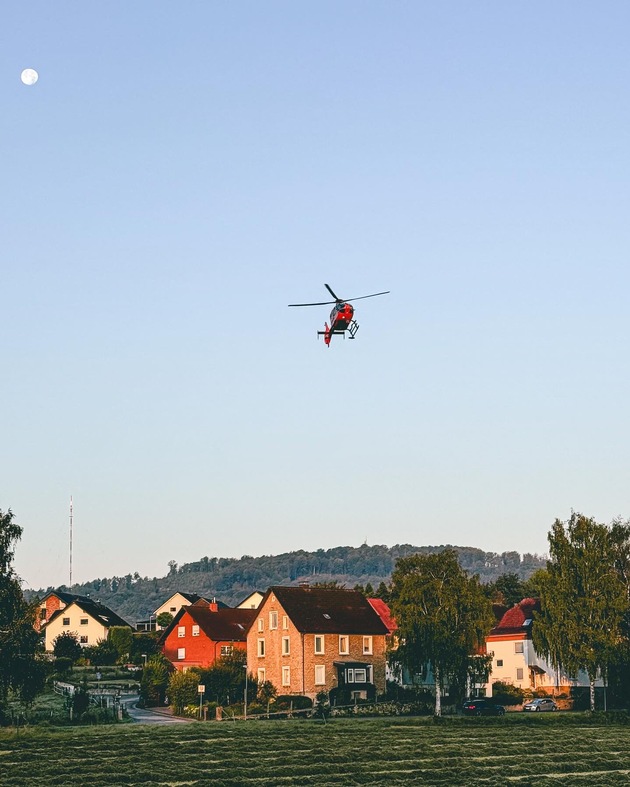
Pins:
<point x="341" y="317"/>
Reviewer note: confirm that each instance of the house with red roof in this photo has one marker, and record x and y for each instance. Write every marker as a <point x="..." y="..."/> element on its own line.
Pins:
<point x="514" y="659"/>
<point x="203" y="632"/>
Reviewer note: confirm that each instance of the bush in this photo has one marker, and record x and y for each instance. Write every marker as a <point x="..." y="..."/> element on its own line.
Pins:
<point x="295" y="701"/>
<point x="507" y="694"/>
<point x="62" y="665"/>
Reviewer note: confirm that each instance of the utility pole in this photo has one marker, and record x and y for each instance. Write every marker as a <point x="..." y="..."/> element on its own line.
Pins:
<point x="70" y="542"/>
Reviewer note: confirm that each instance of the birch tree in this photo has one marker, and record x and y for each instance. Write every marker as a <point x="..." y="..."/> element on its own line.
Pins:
<point x="583" y="599"/>
<point x="443" y="617"/>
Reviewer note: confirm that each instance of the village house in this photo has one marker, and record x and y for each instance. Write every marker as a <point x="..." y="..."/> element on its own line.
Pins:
<point x="88" y="620"/>
<point x="252" y="601"/>
<point x="203" y="632"/>
<point x="305" y="640"/>
<point x="514" y="659"/>
<point x="53" y="601"/>
<point x="172" y="605"/>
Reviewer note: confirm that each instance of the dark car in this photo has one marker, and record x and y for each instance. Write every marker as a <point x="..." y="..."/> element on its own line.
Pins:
<point x="540" y="704"/>
<point x="482" y="707"/>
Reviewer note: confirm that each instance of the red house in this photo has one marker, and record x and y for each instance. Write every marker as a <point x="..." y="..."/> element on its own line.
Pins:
<point x="203" y="632"/>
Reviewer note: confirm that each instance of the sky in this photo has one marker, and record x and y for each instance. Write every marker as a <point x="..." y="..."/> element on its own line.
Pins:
<point x="181" y="172"/>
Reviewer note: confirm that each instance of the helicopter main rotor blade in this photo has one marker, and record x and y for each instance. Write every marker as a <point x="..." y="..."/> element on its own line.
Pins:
<point x="331" y="292"/>
<point x="361" y="297"/>
<point x="322" y="303"/>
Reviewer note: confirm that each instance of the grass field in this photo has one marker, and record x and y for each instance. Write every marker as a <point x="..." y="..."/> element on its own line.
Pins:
<point x="396" y="751"/>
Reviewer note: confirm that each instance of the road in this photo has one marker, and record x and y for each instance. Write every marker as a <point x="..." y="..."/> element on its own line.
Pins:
<point x="153" y="716"/>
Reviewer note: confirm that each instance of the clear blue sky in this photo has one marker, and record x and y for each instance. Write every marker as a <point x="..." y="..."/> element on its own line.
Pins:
<point x="183" y="171"/>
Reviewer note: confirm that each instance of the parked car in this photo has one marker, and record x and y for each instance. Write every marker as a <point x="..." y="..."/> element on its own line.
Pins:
<point x="482" y="707"/>
<point x="540" y="704"/>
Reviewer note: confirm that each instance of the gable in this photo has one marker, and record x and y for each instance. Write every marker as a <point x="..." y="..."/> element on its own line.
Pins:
<point x="326" y="610"/>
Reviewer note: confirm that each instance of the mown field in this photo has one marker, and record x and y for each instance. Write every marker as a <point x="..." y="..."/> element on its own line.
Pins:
<point x="389" y="751"/>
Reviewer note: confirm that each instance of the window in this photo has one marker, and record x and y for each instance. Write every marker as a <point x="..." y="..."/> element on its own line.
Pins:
<point x="173" y="609"/>
<point x="349" y="676"/>
<point x="320" y="675"/>
<point x="83" y="621"/>
<point x="181" y="653"/>
<point x="344" y="644"/>
<point x="286" y="646"/>
<point x="261" y="624"/>
<point x="261" y="647"/>
<point x="519" y="673"/>
<point x="261" y="675"/>
<point x="518" y="647"/>
<point x="360" y="675"/>
<point x="273" y="619"/>
<point x="66" y="621"/>
<point x="83" y="639"/>
<point x="195" y="631"/>
<point x="319" y="643"/>
<point x="42" y="613"/>
<point x="285" y="622"/>
<point x="367" y="645"/>
<point x="499" y="662"/>
<point x="226" y="650"/>
<point x="181" y="631"/>
<point x="286" y="676"/>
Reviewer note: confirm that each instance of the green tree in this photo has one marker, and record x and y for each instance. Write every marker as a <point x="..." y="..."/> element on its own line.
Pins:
<point x="225" y="679"/>
<point x="164" y="619"/>
<point x="154" y="682"/>
<point x="583" y="600"/>
<point x="443" y="616"/>
<point x="142" y="644"/>
<point x="120" y="638"/>
<point x="21" y="670"/>
<point x="508" y="589"/>
<point x="182" y="689"/>
<point x="66" y="646"/>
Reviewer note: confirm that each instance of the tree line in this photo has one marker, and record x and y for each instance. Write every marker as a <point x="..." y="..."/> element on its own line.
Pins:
<point x="232" y="579"/>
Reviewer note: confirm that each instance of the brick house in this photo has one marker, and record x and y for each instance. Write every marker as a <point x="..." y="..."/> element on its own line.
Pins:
<point x="89" y="620"/>
<point x="514" y="659"/>
<point x="309" y="639"/>
<point x="203" y="632"/>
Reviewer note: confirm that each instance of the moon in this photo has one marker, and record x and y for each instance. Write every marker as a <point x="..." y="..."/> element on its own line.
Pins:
<point x="29" y="76"/>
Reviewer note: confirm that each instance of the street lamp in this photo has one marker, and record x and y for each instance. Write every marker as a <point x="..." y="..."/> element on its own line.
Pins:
<point x="245" y="705"/>
<point x="144" y="656"/>
<point x="155" y="626"/>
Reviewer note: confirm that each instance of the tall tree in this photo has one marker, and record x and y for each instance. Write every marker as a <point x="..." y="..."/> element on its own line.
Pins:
<point x="20" y="669"/>
<point x="443" y="616"/>
<point x="583" y="599"/>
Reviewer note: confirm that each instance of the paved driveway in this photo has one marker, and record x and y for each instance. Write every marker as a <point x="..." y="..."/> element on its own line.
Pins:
<point x="152" y="716"/>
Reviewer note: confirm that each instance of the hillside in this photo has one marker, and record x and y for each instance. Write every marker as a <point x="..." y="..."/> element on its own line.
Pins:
<point x="231" y="579"/>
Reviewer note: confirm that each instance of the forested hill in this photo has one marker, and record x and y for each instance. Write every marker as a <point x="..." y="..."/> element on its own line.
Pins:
<point x="231" y="579"/>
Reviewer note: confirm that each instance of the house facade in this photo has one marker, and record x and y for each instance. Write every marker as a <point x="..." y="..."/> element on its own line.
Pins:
<point x="305" y="640"/>
<point x="88" y="620"/>
<point x="204" y="632"/>
<point x="252" y="601"/>
<point x="52" y="602"/>
<point x="514" y="659"/>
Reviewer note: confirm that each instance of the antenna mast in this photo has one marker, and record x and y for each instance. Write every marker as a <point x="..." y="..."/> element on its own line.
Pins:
<point x="70" y="542"/>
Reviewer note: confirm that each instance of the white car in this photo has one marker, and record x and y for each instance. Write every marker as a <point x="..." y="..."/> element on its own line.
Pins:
<point x="540" y="704"/>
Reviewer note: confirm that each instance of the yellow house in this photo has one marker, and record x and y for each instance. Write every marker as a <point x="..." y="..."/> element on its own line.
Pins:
<point x="88" y="620"/>
<point x="252" y="601"/>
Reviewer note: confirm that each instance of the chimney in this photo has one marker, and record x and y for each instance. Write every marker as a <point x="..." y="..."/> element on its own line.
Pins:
<point x="213" y="606"/>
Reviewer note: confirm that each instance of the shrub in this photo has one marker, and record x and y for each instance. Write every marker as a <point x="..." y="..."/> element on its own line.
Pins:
<point x="506" y="693"/>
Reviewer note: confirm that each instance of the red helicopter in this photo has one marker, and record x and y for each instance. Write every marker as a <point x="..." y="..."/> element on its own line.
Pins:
<point x="341" y="317"/>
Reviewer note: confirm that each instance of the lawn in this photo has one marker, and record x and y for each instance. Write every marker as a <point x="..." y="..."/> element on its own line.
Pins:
<point x="389" y="751"/>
